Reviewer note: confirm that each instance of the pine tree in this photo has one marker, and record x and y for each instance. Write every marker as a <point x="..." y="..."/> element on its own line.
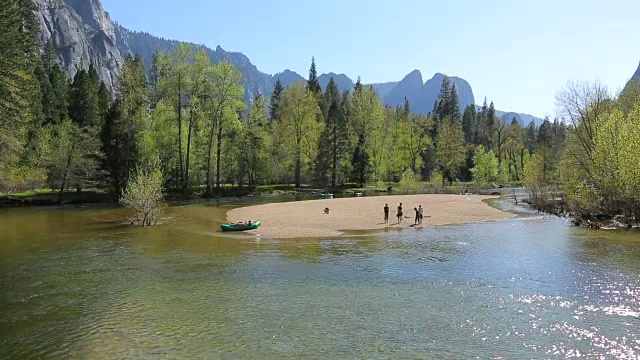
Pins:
<point x="334" y="137"/>
<point x="83" y="101"/>
<point x="481" y="133"/>
<point x="123" y="123"/>
<point x="469" y="124"/>
<point x="450" y="149"/>
<point x="407" y="108"/>
<point x="59" y="95"/>
<point x="530" y="137"/>
<point x="358" y="85"/>
<point x="20" y="95"/>
<point x="313" y="84"/>
<point x="490" y="126"/>
<point x="360" y="162"/>
<point x="274" y="106"/>
<point x="154" y="78"/>
<point x="444" y="107"/>
<point x="454" y="105"/>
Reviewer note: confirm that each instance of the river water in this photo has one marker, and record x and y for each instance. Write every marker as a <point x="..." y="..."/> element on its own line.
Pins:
<point x="76" y="283"/>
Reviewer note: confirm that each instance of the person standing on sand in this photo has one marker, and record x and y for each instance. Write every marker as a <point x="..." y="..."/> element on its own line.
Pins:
<point x="386" y="213"/>
<point x="420" y="213"/>
<point x="417" y="219"/>
<point x="400" y="213"/>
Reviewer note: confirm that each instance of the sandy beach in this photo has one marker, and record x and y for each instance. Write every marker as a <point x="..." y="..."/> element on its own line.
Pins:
<point x="307" y="219"/>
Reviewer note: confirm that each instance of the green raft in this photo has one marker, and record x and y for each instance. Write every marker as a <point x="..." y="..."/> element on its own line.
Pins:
<point x="230" y="227"/>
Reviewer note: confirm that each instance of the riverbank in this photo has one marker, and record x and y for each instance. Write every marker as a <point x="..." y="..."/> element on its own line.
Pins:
<point x="307" y="219"/>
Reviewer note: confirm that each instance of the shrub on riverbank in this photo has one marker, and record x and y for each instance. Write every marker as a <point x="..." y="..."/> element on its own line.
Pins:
<point x="144" y="194"/>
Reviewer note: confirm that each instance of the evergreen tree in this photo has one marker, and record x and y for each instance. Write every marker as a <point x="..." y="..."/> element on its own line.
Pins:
<point x="334" y="138"/>
<point x="490" y="126"/>
<point x="407" y="108"/>
<point x="450" y="149"/>
<point x="469" y="124"/>
<point x="454" y="105"/>
<point x="481" y="133"/>
<point x="313" y="84"/>
<point x="274" y="106"/>
<point x="154" y="78"/>
<point x="444" y="107"/>
<point x="530" y="137"/>
<point x="20" y="96"/>
<point x="59" y="96"/>
<point x="83" y="101"/>
<point x="125" y="119"/>
<point x="358" y="85"/>
<point x="360" y="162"/>
<point x="545" y="135"/>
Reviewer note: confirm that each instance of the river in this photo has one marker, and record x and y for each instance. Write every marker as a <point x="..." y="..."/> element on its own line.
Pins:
<point x="78" y="283"/>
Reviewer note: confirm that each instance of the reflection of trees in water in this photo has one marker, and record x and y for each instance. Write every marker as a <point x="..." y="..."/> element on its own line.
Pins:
<point x="610" y="248"/>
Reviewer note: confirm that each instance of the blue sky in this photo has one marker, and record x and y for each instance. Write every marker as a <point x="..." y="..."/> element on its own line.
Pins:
<point x="516" y="53"/>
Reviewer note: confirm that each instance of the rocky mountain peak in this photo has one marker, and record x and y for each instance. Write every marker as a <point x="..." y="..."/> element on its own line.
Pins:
<point x="82" y="34"/>
<point x="636" y="75"/>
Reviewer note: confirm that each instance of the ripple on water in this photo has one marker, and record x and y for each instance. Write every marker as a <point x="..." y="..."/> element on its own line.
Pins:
<point x="512" y="289"/>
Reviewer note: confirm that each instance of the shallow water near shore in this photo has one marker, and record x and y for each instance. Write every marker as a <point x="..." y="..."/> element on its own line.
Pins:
<point x="77" y="283"/>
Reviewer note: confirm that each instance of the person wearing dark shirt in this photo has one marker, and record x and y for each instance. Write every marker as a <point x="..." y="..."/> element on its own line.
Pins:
<point x="386" y="213"/>
<point x="400" y="213"/>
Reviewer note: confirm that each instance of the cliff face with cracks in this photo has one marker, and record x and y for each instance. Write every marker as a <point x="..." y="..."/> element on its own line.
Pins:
<point x="82" y="33"/>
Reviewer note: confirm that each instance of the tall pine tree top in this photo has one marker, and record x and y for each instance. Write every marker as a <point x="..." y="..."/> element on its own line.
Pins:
<point x="407" y="107"/>
<point x="454" y="105"/>
<point x="274" y="105"/>
<point x="358" y="85"/>
<point x="313" y="84"/>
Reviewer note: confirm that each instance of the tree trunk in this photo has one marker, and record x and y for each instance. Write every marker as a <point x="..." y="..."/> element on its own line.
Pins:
<point x="186" y="169"/>
<point x="298" y="174"/>
<point x="64" y="177"/>
<point x="210" y="146"/>
<point x="179" y="108"/>
<point x="219" y="151"/>
<point x="116" y="169"/>
<point x="334" y="168"/>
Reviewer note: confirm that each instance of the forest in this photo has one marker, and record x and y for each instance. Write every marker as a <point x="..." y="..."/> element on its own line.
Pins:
<point x="184" y="120"/>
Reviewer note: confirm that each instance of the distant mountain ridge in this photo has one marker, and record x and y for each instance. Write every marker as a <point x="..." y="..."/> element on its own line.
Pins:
<point x="83" y="33"/>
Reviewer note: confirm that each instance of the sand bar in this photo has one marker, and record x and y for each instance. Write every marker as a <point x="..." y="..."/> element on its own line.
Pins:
<point x="307" y="219"/>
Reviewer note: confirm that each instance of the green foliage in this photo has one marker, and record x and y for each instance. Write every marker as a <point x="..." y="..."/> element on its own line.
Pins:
<point x="469" y="126"/>
<point x="334" y="139"/>
<point x="450" y="149"/>
<point x="300" y="128"/>
<point x="365" y="114"/>
<point x="144" y="193"/>
<point x="124" y="123"/>
<point x="19" y="88"/>
<point x="485" y="166"/>
<point x="534" y="172"/>
<point x="71" y="154"/>
<point x="313" y="85"/>
<point x="256" y="141"/>
<point x="361" y="162"/>
<point x="437" y="179"/>
<point x="274" y="106"/>
<point x="409" y="180"/>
